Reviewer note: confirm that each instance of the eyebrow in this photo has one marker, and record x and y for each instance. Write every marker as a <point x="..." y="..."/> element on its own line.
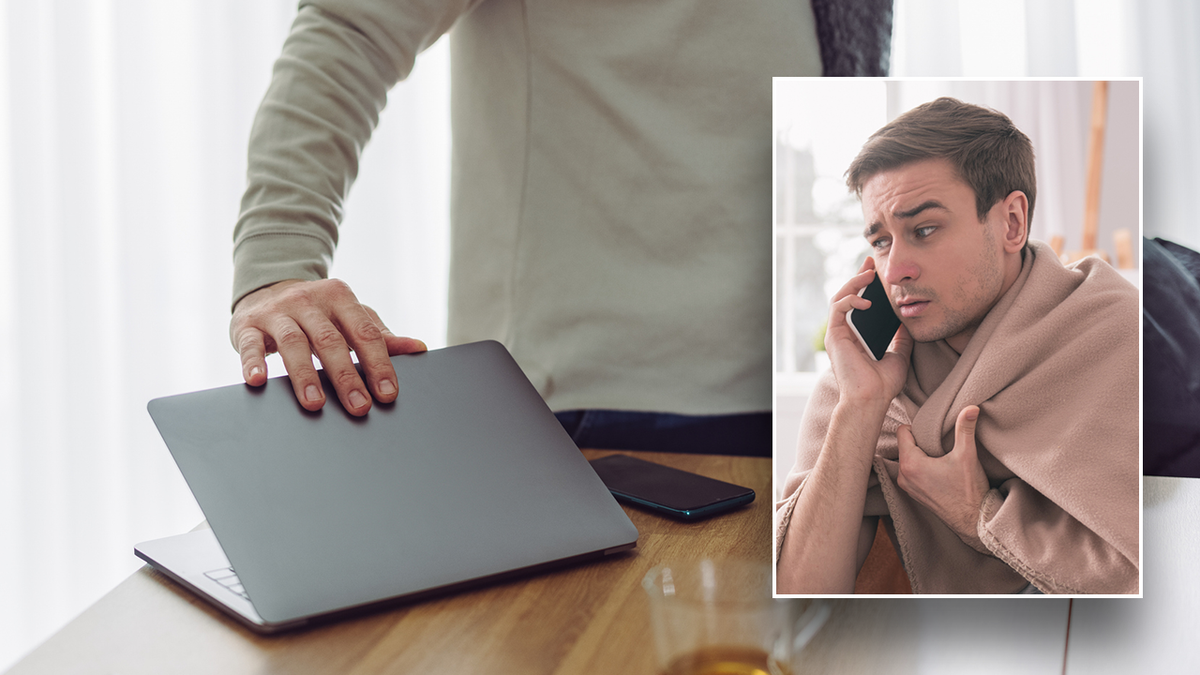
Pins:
<point x="904" y="215"/>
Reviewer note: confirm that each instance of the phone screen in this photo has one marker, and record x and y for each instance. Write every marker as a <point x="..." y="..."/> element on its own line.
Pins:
<point x="666" y="490"/>
<point x="876" y="325"/>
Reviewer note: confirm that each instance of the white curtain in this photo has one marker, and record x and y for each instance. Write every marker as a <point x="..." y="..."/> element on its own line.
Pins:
<point x="1170" y="56"/>
<point x="123" y="126"/>
<point x="1019" y="38"/>
<point x="1153" y="39"/>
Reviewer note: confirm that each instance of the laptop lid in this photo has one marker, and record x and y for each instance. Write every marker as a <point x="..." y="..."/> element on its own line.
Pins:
<point x="467" y="475"/>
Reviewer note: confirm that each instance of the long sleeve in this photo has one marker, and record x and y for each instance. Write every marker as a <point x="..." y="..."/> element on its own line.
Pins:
<point x="327" y="90"/>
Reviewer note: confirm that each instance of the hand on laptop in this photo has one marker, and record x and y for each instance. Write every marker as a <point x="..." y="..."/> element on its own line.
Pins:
<point x="301" y="318"/>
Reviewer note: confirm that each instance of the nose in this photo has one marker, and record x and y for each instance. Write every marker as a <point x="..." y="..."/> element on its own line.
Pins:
<point x="900" y="266"/>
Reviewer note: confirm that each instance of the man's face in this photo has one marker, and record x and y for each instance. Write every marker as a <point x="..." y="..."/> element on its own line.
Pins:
<point x="942" y="268"/>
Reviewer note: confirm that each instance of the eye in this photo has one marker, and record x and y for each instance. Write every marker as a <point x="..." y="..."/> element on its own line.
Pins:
<point x="924" y="232"/>
<point x="879" y="244"/>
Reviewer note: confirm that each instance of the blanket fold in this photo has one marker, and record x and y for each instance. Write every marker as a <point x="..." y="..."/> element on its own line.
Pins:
<point x="1054" y="369"/>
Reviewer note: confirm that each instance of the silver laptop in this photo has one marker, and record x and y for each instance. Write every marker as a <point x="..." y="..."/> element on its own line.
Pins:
<point x="466" y="478"/>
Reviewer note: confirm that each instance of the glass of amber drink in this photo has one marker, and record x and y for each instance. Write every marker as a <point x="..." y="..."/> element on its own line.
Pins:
<point x="718" y="618"/>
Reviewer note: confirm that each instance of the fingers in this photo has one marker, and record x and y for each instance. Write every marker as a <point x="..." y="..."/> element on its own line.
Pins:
<point x="845" y="299"/>
<point x="910" y="455"/>
<point x="365" y="337"/>
<point x="253" y="350"/>
<point x="856" y="283"/>
<point x="952" y="486"/>
<point x="331" y="348"/>
<point x="964" y="436"/>
<point x="839" y="325"/>
<point x="908" y="445"/>
<point x="964" y="429"/>
<point x="325" y="319"/>
<point x="292" y="344"/>
<point x="396" y="345"/>
<point x="403" y="345"/>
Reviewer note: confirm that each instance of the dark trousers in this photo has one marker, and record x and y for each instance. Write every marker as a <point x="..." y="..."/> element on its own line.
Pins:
<point x="744" y="434"/>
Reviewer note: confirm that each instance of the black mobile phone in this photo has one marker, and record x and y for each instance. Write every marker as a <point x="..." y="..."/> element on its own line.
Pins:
<point x="876" y="325"/>
<point x="668" y="491"/>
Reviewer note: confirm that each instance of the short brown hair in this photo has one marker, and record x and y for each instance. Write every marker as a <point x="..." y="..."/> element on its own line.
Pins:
<point x="988" y="151"/>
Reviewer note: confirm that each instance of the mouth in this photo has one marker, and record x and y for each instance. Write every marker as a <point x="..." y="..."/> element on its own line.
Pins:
<point x="909" y="308"/>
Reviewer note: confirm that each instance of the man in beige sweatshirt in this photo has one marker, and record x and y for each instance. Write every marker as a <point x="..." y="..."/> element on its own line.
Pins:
<point x="611" y="203"/>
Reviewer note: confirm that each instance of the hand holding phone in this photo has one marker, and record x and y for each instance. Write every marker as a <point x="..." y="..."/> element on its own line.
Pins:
<point x="876" y="325"/>
<point x="857" y="328"/>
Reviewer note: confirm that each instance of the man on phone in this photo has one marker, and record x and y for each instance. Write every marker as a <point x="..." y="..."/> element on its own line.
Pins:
<point x="997" y="439"/>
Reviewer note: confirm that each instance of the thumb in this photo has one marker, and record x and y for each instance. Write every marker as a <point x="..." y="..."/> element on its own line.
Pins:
<point x="402" y="345"/>
<point x="396" y="345"/>
<point x="964" y="429"/>
<point x="907" y="444"/>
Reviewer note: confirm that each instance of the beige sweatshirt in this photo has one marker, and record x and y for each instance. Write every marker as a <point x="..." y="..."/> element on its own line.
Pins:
<point x="611" y="181"/>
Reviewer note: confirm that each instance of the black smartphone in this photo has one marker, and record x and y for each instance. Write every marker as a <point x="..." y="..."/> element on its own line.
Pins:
<point x="668" y="491"/>
<point x="876" y="325"/>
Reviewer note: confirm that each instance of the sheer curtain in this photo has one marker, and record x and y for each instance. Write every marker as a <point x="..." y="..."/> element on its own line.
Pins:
<point x="1019" y="38"/>
<point x="1171" y="61"/>
<point x="1152" y="39"/>
<point x="123" y="126"/>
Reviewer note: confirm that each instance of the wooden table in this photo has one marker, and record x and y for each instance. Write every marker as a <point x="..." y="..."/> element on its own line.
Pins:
<point x="585" y="619"/>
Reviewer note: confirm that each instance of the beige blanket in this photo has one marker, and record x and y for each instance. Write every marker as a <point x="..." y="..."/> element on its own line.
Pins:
<point x="1054" y="369"/>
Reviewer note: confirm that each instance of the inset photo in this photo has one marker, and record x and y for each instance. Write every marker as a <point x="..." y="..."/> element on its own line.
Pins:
<point x="956" y="353"/>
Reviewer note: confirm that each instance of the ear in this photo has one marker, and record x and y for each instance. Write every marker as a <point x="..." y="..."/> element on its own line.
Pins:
<point x="1015" y="208"/>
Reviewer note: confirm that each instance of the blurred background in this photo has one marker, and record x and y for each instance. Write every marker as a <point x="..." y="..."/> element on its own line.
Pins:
<point x="123" y="130"/>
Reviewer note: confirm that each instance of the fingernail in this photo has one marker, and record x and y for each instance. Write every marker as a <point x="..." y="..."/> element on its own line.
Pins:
<point x="312" y="393"/>
<point x="387" y="388"/>
<point x="423" y="347"/>
<point x="357" y="400"/>
<point x="255" y="371"/>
